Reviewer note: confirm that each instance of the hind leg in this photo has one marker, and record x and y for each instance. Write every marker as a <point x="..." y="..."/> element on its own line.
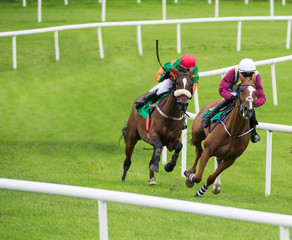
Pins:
<point x="170" y="166"/>
<point x="132" y="136"/>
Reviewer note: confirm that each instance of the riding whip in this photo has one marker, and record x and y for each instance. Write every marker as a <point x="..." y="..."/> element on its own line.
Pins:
<point x="157" y="54"/>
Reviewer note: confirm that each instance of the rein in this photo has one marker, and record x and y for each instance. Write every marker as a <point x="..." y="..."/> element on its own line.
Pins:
<point x="166" y="116"/>
<point x="239" y="106"/>
<point x="238" y="136"/>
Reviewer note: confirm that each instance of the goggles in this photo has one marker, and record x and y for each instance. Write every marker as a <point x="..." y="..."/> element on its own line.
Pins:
<point x="247" y="74"/>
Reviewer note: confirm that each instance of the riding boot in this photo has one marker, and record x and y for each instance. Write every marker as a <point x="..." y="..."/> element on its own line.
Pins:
<point x="207" y="119"/>
<point x="148" y="97"/>
<point x="254" y="135"/>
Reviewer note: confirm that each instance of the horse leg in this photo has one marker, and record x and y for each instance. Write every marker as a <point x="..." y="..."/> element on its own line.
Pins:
<point x="151" y="173"/>
<point x="154" y="166"/>
<point x="217" y="183"/>
<point x="199" y="151"/>
<point x="132" y="136"/>
<point x="190" y="174"/>
<point x="170" y="166"/>
<point x="221" y="167"/>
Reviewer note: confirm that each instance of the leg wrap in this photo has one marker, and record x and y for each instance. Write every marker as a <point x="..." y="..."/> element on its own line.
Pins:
<point x="201" y="192"/>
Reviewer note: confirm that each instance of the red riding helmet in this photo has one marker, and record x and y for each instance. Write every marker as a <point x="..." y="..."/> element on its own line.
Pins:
<point x="187" y="61"/>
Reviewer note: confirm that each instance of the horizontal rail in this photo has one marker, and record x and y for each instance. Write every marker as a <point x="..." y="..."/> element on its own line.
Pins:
<point x="257" y="63"/>
<point x="149" y="201"/>
<point x="136" y="23"/>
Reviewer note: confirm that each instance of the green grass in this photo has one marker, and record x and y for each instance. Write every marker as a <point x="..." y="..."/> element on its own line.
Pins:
<point x="61" y="121"/>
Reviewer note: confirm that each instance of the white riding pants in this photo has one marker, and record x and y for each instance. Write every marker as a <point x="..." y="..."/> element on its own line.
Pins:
<point x="163" y="87"/>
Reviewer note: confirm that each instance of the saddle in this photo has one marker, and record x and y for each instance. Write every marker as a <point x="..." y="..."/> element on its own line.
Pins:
<point x="147" y="109"/>
<point x="222" y="113"/>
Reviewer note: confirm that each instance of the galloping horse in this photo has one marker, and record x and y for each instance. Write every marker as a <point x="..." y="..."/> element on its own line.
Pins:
<point x="165" y="126"/>
<point x="227" y="141"/>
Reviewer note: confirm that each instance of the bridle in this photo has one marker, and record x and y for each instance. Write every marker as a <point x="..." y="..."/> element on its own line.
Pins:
<point x="176" y="93"/>
<point x="248" y="99"/>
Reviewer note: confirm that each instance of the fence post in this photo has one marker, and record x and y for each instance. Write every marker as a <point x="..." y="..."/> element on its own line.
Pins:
<point x="178" y="37"/>
<point x="246" y="2"/>
<point x="164" y="9"/>
<point x="273" y="73"/>
<point x="14" y="52"/>
<point x="103" y="6"/>
<point x="24" y="3"/>
<point x="139" y="39"/>
<point x="238" y="35"/>
<point x="272" y="8"/>
<point x="102" y="219"/>
<point x="184" y="150"/>
<point x="39" y="10"/>
<point x="288" y="34"/>
<point x="284" y="233"/>
<point x="164" y="155"/>
<point x="100" y="42"/>
<point x="57" y="46"/>
<point x="268" y="163"/>
<point x="216" y="8"/>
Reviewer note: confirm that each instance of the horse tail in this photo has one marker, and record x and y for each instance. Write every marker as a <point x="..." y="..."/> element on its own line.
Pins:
<point x="124" y="135"/>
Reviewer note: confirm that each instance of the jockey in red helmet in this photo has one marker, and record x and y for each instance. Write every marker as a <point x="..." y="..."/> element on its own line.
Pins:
<point x="165" y="77"/>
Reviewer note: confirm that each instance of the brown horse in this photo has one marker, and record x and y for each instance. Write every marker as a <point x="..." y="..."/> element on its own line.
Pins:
<point x="227" y="141"/>
<point x="165" y="126"/>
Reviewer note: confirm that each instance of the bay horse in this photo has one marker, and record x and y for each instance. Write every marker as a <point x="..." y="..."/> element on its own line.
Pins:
<point x="227" y="141"/>
<point x="165" y="127"/>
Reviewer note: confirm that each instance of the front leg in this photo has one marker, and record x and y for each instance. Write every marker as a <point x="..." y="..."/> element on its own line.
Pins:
<point x="155" y="141"/>
<point x="170" y="166"/>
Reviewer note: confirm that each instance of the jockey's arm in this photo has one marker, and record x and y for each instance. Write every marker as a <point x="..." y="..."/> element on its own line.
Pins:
<point x="261" y="98"/>
<point x="225" y="84"/>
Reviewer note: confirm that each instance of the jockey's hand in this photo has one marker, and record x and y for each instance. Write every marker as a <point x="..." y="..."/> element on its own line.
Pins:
<point x="167" y="75"/>
<point x="233" y="97"/>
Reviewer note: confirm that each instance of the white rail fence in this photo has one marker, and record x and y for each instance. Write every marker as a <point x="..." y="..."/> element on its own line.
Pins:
<point x="103" y="8"/>
<point x="283" y="221"/>
<point x="138" y="25"/>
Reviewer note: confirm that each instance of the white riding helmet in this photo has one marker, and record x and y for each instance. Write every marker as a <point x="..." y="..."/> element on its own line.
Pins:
<point x="246" y="65"/>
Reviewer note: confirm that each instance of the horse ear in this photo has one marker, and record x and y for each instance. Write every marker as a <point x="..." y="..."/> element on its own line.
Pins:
<point x="253" y="79"/>
<point x="175" y="70"/>
<point x="191" y="71"/>
<point x="243" y="80"/>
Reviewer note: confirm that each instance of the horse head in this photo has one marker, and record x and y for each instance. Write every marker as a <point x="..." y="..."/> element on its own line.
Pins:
<point x="247" y="94"/>
<point x="183" y="87"/>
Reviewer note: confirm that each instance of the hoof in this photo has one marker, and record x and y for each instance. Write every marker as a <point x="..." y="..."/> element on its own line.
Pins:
<point x="185" y="173"/>
<point x="197" y="195"/>
<point x="216" y="189"/>
<point x="154" y="168"/>
<point x="152" y="181"/>
<point x="189" y="183"/>
<point x="169" y="167"/>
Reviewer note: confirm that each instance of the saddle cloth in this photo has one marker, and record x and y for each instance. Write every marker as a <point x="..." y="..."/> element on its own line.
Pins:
<point x="146" y="110"/>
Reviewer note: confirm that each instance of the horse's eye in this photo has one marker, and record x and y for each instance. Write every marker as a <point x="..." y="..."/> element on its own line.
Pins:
<point x="241" y="90"/>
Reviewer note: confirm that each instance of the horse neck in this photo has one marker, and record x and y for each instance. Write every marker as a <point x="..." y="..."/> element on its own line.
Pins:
<point x="170" y="107"/>
<point x="237" y="124"/>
